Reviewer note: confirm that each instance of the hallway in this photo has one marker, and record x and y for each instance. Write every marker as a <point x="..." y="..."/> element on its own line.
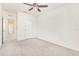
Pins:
<point x="34" y="47"/>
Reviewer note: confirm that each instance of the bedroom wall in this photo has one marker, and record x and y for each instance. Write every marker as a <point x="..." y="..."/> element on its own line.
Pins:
<point x="61" y="26"/>
<point x="26" y="26"/>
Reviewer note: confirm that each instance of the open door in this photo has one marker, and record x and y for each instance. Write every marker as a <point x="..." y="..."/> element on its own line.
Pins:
<point x="1" y="26"/>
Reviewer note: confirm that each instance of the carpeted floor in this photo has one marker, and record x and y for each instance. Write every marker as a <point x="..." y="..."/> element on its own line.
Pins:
<point x="34" y="47"/>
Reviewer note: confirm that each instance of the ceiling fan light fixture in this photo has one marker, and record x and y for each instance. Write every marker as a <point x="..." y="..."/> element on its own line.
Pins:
<point x="36" y="6"/>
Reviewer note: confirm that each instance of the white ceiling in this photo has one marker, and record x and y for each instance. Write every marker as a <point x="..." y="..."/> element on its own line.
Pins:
<point x="19" y="6"/>
<point x="14" y="7"/>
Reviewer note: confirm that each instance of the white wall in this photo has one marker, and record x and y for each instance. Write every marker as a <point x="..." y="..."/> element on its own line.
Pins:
<point x="0" y="25"/>
<point x="61" y="26"/>
<point x="26" y="26"/>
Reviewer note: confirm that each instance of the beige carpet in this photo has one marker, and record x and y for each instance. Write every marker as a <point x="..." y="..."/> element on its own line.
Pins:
<point x="34" y="47"/>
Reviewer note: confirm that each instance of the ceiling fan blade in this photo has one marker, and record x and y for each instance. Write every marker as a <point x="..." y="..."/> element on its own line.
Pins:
<point x="30" y="9"/>
<point x="42" y="6"/>
<point x="39" y="10"/>
<point x="34" y="4"/>
<point x="28" y="4"/>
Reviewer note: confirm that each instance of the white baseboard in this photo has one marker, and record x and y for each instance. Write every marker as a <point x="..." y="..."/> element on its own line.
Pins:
<point x="62" y="45"/>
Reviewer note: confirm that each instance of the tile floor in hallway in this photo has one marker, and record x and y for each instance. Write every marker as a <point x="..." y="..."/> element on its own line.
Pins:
<point x="34" y="47"/>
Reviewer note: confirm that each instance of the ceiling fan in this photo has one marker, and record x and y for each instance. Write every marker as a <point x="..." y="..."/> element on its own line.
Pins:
<point x="36" y="6"/>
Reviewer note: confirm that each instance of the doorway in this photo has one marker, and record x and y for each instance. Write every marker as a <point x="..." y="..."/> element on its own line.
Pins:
<point x="9" y="26"/>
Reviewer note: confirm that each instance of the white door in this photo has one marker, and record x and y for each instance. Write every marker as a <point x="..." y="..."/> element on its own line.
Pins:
<point x="25" y="26"/>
